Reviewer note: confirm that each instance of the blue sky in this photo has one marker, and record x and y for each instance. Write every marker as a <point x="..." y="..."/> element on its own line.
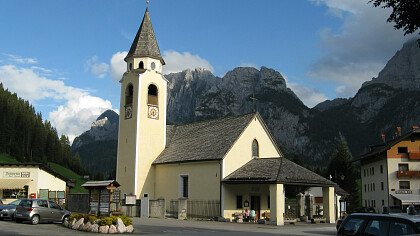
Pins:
<point x="66" y="56"/>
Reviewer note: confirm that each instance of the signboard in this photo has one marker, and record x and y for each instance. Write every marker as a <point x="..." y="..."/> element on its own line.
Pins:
<point x="130" y="200"/>
<point x="93" y="207"/>
<point x="52" y="194"/>
<point x="43" y="193"/>
<point x="405" y="191"/>
<point x="16" y="174"/>
<point x="61" y="194"/>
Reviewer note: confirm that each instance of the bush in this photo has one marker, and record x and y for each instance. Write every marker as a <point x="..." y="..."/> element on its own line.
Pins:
<point x="93" y="219"/>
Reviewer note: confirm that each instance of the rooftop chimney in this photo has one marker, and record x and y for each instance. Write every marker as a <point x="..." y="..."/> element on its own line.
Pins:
<point x="398" y="131"/>
<point x="383" y="137"/>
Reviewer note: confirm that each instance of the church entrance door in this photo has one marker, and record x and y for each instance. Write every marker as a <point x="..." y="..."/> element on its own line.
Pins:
<point x="256" y="206"/>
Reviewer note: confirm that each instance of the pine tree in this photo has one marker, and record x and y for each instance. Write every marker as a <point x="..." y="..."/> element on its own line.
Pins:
<point x="343" y="172"/>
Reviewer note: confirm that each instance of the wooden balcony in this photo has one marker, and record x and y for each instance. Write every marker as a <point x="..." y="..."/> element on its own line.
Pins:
<point x="414" y="155"/>
<point x="408" y="174"/>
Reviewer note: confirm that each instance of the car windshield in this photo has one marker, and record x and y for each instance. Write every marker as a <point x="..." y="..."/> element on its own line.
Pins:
<point x="14" y="203"/>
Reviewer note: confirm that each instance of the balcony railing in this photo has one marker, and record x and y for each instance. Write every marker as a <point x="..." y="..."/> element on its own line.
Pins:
<point x="414" y="155"/>
<point x="408" y="174"/>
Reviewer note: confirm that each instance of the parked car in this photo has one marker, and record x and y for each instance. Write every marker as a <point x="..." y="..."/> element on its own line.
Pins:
<point x="40" y="210"/>
<point x="379" y="224"/>
<point x="8" y="211"/>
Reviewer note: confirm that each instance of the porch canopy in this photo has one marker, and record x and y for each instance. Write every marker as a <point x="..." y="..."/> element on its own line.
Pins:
<point x="407" y="199"/>
<point x="276" y="170"/>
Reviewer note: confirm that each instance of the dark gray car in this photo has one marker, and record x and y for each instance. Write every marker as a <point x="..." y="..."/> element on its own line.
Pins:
<point x="40" y="210"/>
<point x="8" y="211"/>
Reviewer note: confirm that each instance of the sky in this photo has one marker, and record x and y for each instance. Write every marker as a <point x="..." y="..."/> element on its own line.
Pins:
<point x="66" y="57"/>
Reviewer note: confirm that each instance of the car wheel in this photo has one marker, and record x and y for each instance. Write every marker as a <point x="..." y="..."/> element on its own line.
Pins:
<point x="35" y="219"/>
<point x="65" y="219"/>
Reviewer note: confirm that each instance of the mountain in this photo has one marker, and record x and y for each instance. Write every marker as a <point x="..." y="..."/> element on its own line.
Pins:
<point x="97" y="147"/>
<point x="392" y="99"/>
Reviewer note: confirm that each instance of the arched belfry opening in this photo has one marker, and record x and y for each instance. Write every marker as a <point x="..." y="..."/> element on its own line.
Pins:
<point x="255" y="149"/>
<point x="141" y="65"/>
<point x="129" y="95"/>
<point x="152" y="92"/>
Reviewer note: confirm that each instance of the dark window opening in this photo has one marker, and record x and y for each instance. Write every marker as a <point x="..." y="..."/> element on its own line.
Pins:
<point x="268" y="202"/>
<point x="238" y="202"/>
<point x="141" y="65"/>
<point x="129" y="95"/>
<point x="402" y="149"/>
<point x="404" y="184"/>
<point x="382" y="169"/>
<point x="382" y="185"/>
<point x="184" y="186"/>
<point x="255" y="149"/>
<point x="403" y="167"/>
<point x="152" y="92"/>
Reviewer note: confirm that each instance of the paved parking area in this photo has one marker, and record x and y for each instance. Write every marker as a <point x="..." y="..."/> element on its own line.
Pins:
<point x="177" y="227"/>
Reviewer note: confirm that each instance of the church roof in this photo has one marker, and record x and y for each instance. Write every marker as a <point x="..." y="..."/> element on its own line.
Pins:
<point x="204" y="140"/>
<point x="145" y="44"/>
<point x="276" y="170"/>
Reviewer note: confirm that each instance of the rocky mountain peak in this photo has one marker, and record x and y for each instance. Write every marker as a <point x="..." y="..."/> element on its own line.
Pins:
<point x="403" y="70"/>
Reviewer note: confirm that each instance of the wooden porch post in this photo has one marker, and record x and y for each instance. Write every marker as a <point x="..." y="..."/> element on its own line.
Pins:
<point x="277" y="201"/>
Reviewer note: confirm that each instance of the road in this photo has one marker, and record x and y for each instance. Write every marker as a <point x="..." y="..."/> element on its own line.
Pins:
<point x="177" y="227"/>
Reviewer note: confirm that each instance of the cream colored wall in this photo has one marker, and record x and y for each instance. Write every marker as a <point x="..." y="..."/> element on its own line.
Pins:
<point x="378" y="195"/>
<point x="50" y="182"/>
<point x="230" y="191"/>
<point x="241" y="151"/>
<point x="126" y="154"/>
<point x="203" y="180"/>
<point x="277" y="204"/>
<point x="328" y="207"/>
<point x="141" y="139"/>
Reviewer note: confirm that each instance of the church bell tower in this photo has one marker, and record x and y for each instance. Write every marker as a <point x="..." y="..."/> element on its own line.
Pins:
<point x="142" y="128"/>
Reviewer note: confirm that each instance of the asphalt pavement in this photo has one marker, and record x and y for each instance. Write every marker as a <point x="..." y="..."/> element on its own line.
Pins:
<point x="177" y="227"/>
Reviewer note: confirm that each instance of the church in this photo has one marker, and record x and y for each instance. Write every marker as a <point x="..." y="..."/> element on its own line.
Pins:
<point x="232" y="160"/>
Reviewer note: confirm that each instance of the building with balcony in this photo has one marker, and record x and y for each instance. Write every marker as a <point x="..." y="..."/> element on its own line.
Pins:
<point x="390" y="173"/>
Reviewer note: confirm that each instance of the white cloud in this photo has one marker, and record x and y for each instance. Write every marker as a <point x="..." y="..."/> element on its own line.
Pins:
<point x="20" y="60"/>
<point x="78" y="107"/>
<point x="309" y="96"/>
<point x="176" y="62"/>
<point x="118" y="65"/>
<point x="361" y="47"/>
<point x="98" y="69"/>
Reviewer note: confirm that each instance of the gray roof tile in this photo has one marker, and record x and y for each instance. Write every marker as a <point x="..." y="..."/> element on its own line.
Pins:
<point x="145" y="44"/>
<point x="276" y="170"/>
<point x="204" y="140"/>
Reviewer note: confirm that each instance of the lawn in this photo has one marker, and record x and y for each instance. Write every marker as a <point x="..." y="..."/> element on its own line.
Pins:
<point x="70" y="175"/>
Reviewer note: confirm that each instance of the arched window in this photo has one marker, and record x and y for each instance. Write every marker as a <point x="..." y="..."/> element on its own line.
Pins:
<point x="255" y="149"/>
<point x="130" y="67"/>
<point x="141" y="65"/>
<point x="152" y="92"/>
<point x="129" y="95"/>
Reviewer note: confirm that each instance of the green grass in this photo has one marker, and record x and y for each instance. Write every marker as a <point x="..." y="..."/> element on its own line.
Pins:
<point x="6" y="159"/>
<point x="70" y="175"/>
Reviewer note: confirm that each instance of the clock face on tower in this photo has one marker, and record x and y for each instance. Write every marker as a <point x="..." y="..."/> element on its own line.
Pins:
<point x="153" y="112"/>
<point x="128" y="112"/>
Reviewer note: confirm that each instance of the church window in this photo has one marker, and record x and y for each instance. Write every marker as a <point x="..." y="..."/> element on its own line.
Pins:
<point x="255" y="149"/>
<point x="153" y="66"/>
<point x="141" y="65"/>
<point x="184" y="185"/>
<point x="129" y="95"/>
<point x="152" y="98"/>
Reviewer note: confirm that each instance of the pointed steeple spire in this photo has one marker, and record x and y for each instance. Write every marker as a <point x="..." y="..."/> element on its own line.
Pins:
<point x="145" y="44"/>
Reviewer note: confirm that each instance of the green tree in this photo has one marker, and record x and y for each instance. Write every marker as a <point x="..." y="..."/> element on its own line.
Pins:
<point x="343" y="172"/>
<point x="405" y="14"/>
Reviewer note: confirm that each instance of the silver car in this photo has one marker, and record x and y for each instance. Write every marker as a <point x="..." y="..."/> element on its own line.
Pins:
<point x="8" y="211"/>
<point x="40" y="210"/>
